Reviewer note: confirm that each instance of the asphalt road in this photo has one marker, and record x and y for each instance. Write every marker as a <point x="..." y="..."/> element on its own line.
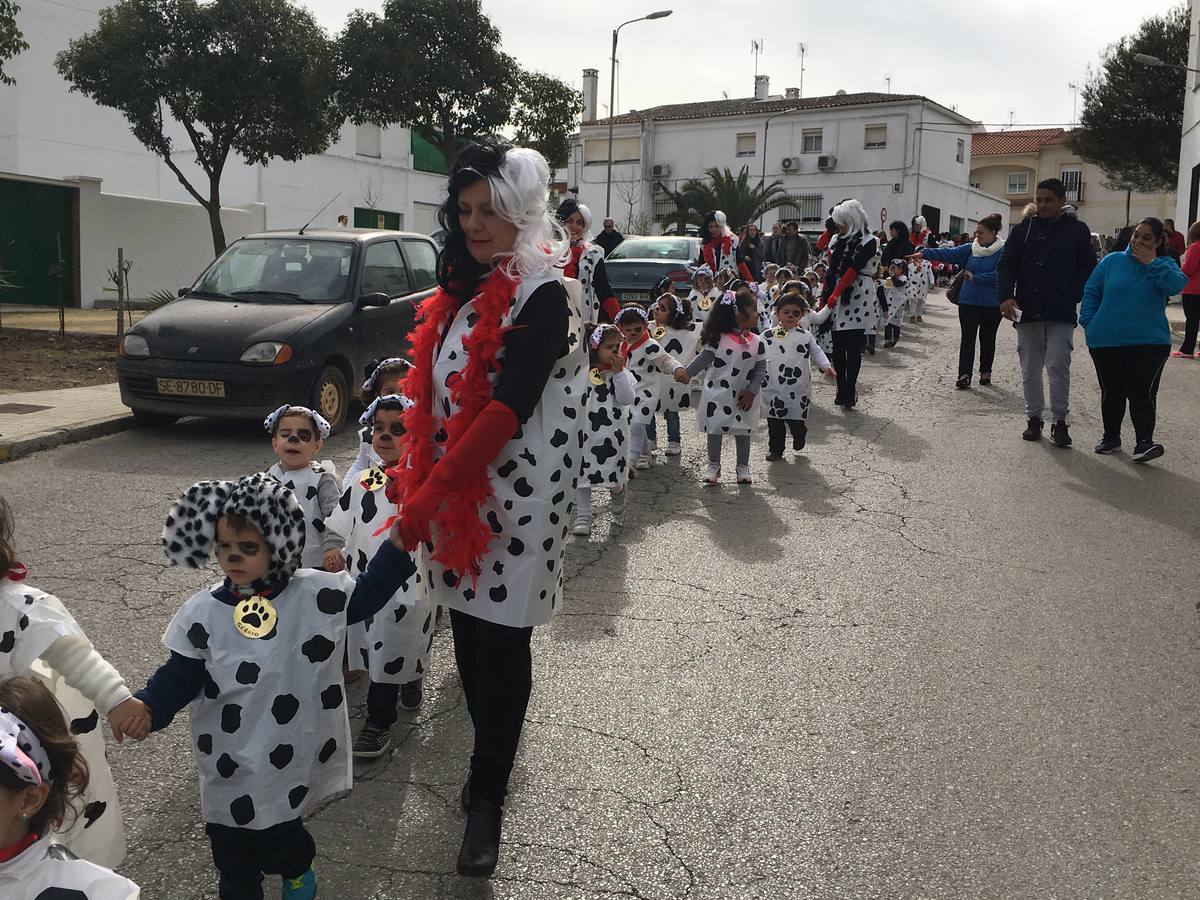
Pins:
<point x="925" y="659"/>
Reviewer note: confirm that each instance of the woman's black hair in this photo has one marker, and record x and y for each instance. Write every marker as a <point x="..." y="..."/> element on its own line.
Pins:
<point x="1160" y="233"/>
<point x="709" y="218"/>
<point x="457" y="270"/>
<point x="900" y="228"/>
<point x="567" y="208"/>
<point x="1122" y="240"/>
<point x="722" y="318"/>
<point x="664" y="285"/>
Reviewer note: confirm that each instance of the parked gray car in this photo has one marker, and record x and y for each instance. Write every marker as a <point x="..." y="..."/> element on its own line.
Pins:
<point x="637" y="264"/>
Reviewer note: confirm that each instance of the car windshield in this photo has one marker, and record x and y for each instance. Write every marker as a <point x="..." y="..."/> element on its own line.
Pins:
<point x="653" y="248"/>
<point x="265" y="270"/>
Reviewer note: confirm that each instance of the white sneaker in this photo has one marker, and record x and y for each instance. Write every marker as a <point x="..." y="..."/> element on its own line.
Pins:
<point x="743" y="475"/>
<point x="583" y="527"/>
<point x="642" y="463"/>
<point x="651" y="446"/>
<point x="673" y="449"/>
<point x="712" y="475"/>
<point x="619" y="499"/>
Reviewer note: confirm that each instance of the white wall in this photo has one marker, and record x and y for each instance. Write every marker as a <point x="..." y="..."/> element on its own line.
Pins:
<point x="1189" y="145"/>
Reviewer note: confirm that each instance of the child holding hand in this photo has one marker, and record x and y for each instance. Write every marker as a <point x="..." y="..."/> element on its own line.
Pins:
<point x="297" y="435"/>
<point x="383" y="378"/>
<point x="646" y="360"/>
<point x="788" y="389"/>
<point x="611" y="391"/>
<point x="677" y="333"/>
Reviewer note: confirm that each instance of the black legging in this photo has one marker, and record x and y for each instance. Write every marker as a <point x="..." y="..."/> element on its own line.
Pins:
<point x="496" y="668"/>
<point x="1191" y="313"/>
<point x="984" y="320"/>
<point x="1130" y="374"/>
<point x="847" y="360"/>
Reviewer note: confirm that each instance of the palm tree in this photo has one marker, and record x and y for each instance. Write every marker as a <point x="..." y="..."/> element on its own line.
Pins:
<point x="733" y="194"/>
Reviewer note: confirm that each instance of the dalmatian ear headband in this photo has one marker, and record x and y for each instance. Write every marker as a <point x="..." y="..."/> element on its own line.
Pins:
<point x="322" y="426"/>
<point x="597" y="336"/>
<point x="678" y="302"/>
<point x="368" y="415"/>
<point x="639" y="310"/>
<point x="729" y="298"/>
<point x="369" y="384"/>
<point x="21" y="750"/>
<point x="704" y="271"/>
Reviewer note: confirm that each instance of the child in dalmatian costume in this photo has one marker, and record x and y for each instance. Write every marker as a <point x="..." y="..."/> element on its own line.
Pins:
<point x="719" y="250"/>
<point x="297" y="435"/>
<point x="258" y="658"/>
<point x="611" y="391"/>
<point x="734" y="360"/>
<point x="41" y="765"/>
<point x="919" y="280"/>
<point x="850" y="291"/>
<point x="703" y="295"/>
<point x="586" y="263"/>
<point x="647" y="362"/>
<point x="392" y="646"/>
<point x="39" y="637"/>
<point x="383" y="376"/>
<point x="895" y="288"/>
<point x="790" y="350"/>
<point x="676" y="331"/>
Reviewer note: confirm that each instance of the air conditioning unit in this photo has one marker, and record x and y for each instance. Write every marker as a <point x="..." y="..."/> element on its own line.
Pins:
<point x="662" y="170"/>
<point x="791" y="164"/>
<point x="826" y="161"/>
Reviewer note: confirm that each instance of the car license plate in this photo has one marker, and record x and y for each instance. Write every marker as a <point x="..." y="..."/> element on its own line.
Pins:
<point x="190" y="387"/>
<point x="635" y="297"/>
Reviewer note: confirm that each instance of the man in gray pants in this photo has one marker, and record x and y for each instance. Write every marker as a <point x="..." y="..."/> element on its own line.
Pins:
<point x="1047" y="260"/>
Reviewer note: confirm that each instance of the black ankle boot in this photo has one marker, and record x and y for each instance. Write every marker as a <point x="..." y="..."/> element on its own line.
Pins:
<point x="481" y="841"/>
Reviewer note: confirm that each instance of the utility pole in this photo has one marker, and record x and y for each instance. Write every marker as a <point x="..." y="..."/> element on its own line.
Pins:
<point x="803" y="50"/>
<point x="1074" y="88"/>
<point x="756" y="47"/>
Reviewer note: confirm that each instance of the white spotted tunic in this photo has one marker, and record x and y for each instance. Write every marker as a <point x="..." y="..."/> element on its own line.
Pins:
<point x="533" y="479"/>
<point x="393" y="644"/>
<point x="588" y="260"/>
<point x="30" y="621"/>
<point x="304" y="484"/>
<point x="605" y="453"/>
<point x="702" y="303"/>
<point x="858" y="306"/>
<point x="733" y="361"/>
<point x="788" y="390"/>
<point x="680" y="343"/>
<point x="43" y="872"/>
<point x="270" y="733"/>
<point x="897" y="301"/>
<point x="647" y="363"/>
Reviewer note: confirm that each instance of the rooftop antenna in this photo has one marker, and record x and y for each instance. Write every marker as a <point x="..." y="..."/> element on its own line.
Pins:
<point x="1074" y="88"/>
<point x="1011" y="116"/>
<point x="756" y="47"/>
<point x="802" y="49"/>
<point x="321" y="210"/>
<point x="888" y="80"/>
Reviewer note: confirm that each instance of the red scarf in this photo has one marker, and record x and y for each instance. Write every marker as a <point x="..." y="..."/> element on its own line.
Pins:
<point x="710" y="252"/>
<point x="19" y="847"/>
<point x="571" y="269"/>
<point x="17" y="571"/>
<point x="462" y="535"/>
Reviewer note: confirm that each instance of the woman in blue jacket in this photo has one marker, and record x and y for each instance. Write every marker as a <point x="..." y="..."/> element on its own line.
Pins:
<point x="1124" y="317"/>
<point x="978" y="304"/>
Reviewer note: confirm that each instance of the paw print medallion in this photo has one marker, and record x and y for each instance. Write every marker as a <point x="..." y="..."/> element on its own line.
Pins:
<point x="254" y="617"/>
<point x="373" y="479"/>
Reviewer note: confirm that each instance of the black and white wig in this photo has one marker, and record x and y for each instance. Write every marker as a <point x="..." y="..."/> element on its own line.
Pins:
<point x="851" y="215"/>
<point x="519" y="178"/>
<point x="717" y="216"/>
<point x="569" y="207"/>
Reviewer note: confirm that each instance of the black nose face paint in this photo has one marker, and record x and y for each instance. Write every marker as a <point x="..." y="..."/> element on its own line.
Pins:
<point x="293" y="439"/>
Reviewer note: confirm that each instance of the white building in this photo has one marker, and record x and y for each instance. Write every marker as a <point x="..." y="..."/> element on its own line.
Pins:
<point x="899" y="153"/>
<point x="47" y="132"/>
<point x="1187" y="208"/>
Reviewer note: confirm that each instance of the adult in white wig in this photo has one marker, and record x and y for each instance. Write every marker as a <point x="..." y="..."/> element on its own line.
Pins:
<point x="721" y="245"/>
<point x="849" y="292"/>
<point x="587" y="263"/>
<point x="488" y="475"/>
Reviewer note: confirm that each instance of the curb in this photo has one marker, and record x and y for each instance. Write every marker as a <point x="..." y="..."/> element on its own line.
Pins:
<point x="47" y="440"/>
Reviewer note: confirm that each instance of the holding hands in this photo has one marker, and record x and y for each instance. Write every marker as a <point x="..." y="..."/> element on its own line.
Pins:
<point x="682" y="376"/>
<point x="333" y="561"/>
<point x="830" y="373"/>
<point x="745" y="400"/>
<point x="130" y="718"/>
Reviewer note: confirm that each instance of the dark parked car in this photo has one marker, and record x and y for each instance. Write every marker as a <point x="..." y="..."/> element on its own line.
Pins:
<point x="279" y="317"/>
<point x="637" y="263"/>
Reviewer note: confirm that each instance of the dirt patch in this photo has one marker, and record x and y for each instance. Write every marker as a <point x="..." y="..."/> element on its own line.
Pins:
<point x="42" y="361"/>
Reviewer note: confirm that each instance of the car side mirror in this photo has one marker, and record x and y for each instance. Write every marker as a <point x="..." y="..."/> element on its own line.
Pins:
<point x="375" y="299"/>
<point x="182" y="291"/>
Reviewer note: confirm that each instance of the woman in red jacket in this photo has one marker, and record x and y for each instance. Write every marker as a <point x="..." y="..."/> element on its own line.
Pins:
<point x="1191" y="295"/>
<point x="721" y="246"/>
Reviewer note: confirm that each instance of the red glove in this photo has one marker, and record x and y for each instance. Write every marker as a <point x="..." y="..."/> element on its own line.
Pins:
<point x="845" y="281"/>
<point x="744" y="271"/>
<point x="824" y="239"/>
<point x="484" y="439"/>
<point x="610" y="308"/>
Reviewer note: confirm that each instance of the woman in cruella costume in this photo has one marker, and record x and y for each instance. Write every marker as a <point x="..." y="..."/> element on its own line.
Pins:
<point x="487" y="480"/>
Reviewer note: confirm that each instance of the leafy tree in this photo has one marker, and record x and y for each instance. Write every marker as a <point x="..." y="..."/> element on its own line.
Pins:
<point x="251" y="77"/>
<point x="720" y="189"/>
<point x="11" y="40"/>
<point x="1131" y="120"/>
<point x="545" y="115"/>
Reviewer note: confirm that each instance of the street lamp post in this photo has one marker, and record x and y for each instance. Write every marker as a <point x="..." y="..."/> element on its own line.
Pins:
<point x="1155" y="63"/>
<point x="612" y="90"/>
<point x="763" y="183"/>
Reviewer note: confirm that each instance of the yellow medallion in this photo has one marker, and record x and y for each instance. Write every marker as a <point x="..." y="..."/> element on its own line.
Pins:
<point x="705" y="303"/>
<point x="596" y="377"/>
<point x="254" y="617"/>
<point x="781" y="332"/>
<point x="658" y="333"/>
<point x="373" y="479"/>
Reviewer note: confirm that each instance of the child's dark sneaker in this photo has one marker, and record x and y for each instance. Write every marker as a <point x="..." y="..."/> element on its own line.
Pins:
<point x="799" y="440"/>
<point x="774" y="456"/>
<point x="1144" y="451"/>
<point x="1060" y="435"/>
<point x="372" y="742"/>
<point x="1033" y="430"/>
<point x="410" y="694"/>
<point x="302" y="888"/>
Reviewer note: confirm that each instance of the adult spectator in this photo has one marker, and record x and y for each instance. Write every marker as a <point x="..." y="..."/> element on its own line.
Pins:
<point x="978" y="305"/>
<point x="1175" y="242"/>
<point x="1121" y="241"/>
<point x="1124" y="318"/>
<point x="899" y="244"/>
<point x="771" y="243"/>
<point x="343" y="221"/>
<point x="1047" y="260"/>
<point x="793" y="248"/>
<point x="609" y="237"/>
<point x="1191" y="294"/>
<point x="751" y="250"/>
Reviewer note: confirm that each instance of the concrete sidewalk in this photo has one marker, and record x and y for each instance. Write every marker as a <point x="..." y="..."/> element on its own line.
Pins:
<point x="38" y="420"/>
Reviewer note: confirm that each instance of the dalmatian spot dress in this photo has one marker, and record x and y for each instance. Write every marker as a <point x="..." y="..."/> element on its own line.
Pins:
<point x="43" y="872"/>
<point x="30" y="621"/>
<point x="605" y="455"/>
<point x="812" y="321"/>
<point x="897" y="301"/>
<point x="533" y="479"/>
<point x="697" y="300"/>
<point x="647" y="363"/>
<point x="733" y="361"/>
<point x="270" y="733"/>
<point x="788" y="390"/>
<point x="304" y="484"/>
<point x="680" y="343"/>
<point x="393" y="644"/>
<point x="858" y="307"/>
<point x="919" y="279"/>
<point x="588" y="261"/>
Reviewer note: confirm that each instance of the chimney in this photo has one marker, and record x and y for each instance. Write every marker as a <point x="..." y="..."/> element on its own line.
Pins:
<point x="792" y="93"/>
<point x="762" y="87"/>
<point x="591" y="83"/>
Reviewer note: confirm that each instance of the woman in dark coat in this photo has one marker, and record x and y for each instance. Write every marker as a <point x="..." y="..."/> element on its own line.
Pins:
<point x="899" y="244"/>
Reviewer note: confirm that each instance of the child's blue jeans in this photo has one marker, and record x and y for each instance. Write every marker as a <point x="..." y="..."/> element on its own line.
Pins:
<point x="672" y="417"/>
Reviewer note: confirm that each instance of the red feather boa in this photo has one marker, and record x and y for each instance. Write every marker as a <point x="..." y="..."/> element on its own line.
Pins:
<point x="462" y="535"/>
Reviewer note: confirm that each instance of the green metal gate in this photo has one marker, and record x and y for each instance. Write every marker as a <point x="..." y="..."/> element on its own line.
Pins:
<point x="37" y="229"/>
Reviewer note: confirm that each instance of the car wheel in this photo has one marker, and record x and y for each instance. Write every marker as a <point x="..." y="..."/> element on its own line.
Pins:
<point x="331" y="396"/>
<point x="153" y="420"/>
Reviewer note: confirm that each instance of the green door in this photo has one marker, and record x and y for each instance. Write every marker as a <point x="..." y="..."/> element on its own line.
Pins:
<point x="38" y="223"/>
<point x="376" y="218"/>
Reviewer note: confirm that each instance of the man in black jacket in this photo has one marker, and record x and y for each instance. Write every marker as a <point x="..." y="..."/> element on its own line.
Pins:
<point x="1047" y="260"/>
<point x="792" y="248"/>
<point x="609" y="238"/>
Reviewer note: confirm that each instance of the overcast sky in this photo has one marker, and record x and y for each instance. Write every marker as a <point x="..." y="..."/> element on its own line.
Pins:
<point x="987" y="58"/>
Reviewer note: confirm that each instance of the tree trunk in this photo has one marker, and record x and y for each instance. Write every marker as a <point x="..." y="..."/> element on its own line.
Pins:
<point x="214" y="214"/>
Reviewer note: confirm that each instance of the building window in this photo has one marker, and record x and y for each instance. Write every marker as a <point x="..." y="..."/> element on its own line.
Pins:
<point x="1072" y="180"/>
<point x="875" y="137"/>
<point x="960" y="151"/>
<point x="977" y="185"/>
<point x="808" y="209"/>
<point x="1018" y="182"/>
<point x="813" y="139"/>
<point x="956" y="225"/>
<point x="746" y="144"/>
<point x="625" y="150"/>
<point x="367" y="140"/>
